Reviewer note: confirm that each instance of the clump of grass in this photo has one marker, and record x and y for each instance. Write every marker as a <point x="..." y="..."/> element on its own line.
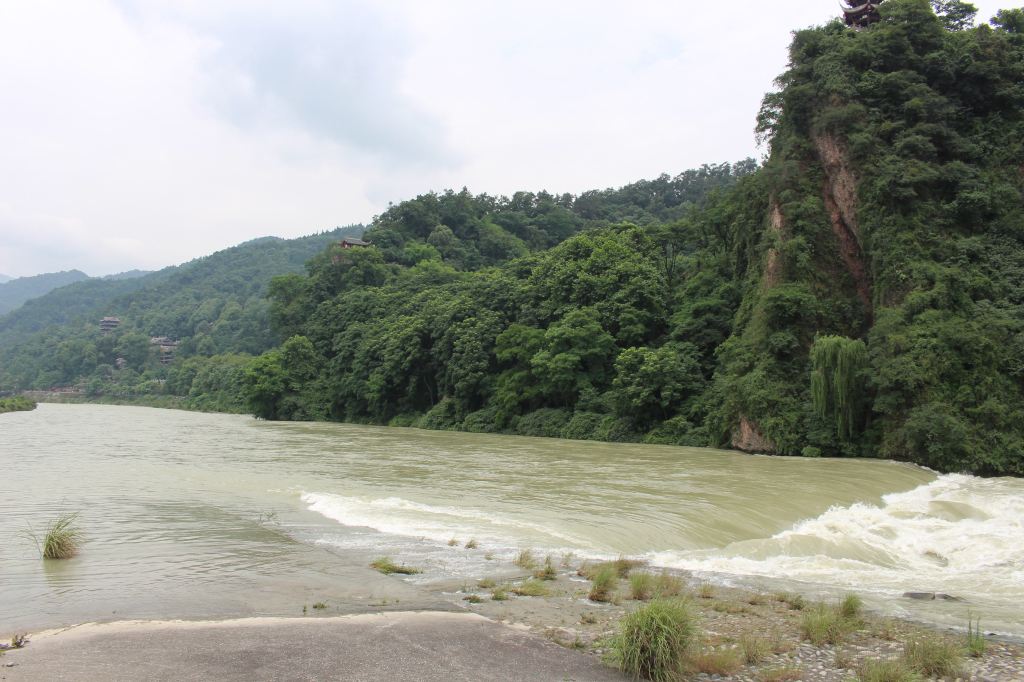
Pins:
<point x="386" y="566"/>
<point x="729" y="607"/>
<point x="531" y="588"/>
<point x="603" y="584"/>
<point x="850" y="607"/>
<point x="486" y="583"/>
<point x="823" y="625"/>
<point x="472" y="544"/>
<point x="61" y="538"/>
<point x="454" y="542"/>
<point x="546" y="572"/>
<point x="641" y="586"/>
<point x="319" y="605"/>
<point x="843" y="660"/>
<point x="887" y="670"/>
<point x="567" y="559"/>
<point x="489" y="556"/>
<point x="622" y="567"/>
<point x="718" y="662"/>
<point x="757" y="599"/>
<point x="19" y="641"/>
<point x="526" y="560"/>
<point x="755" y="649"/>
<point x="706" y="591"/>
<point x="787" y="674"/>
<point x="668" y="585"/>
<point x="885" y="629"/>
<point x="473" y="599"/>
<point x="795" y="601"/>
<point x="933" y="656"/>
<point x="625" y="565"/>
<point x="588" y="619"/>
<point x="499" y="593"/>
<point x="654" y="641"/>
<point x="975" y="637"/>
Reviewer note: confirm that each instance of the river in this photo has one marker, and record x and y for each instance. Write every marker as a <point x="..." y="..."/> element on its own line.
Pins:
<point x="191" y="515"/>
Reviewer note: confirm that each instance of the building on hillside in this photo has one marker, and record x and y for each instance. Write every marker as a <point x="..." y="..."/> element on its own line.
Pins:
<point x="861" y="13"/>
<point x="166" y="347"/>
<point x="109" y="324"/>
<point x="352" y="242"/>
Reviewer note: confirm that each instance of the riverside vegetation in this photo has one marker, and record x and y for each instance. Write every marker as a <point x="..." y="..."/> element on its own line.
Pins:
<point x="16" y="404"/>
<point x="857" y="294"/>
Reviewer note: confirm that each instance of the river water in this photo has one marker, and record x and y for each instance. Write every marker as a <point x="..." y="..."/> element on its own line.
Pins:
<point x="191" y="515"/>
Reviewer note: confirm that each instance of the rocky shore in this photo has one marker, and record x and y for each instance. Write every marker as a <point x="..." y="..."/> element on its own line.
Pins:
<point x="731" y="619"/>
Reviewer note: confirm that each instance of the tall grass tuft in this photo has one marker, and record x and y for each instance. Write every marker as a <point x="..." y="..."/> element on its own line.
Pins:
<point x="822" y="625"/>
<point x="887" y="670"/>
<point x="850" y="607"/>
<point x="668" y="585"/>
<point x="525" y="559"/>
<point x="547" y="572"/>
<point x="641" y="586"/>
<point x="975" y="637"/>
<point x="386" y="566"/>
<point x="718" y="662"/>
<point x="933" y="656"/>
<point x="531" y="588"/>
<point x="654" y="641"/>
<point x="604" y="583"/>
<point x="755" y="649"/>
<point x="61" y="539"/>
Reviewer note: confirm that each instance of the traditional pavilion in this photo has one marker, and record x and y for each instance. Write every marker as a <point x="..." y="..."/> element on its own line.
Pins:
<point x="860" y="14"/>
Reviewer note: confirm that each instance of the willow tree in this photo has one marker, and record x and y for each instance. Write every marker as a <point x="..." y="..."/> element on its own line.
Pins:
<point x="837" y="382"/>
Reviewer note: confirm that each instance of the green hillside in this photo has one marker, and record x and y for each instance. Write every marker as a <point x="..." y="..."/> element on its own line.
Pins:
<point x="859" y="295"/>
<point x="14" y="292"/>
<point x="210" y="306"/>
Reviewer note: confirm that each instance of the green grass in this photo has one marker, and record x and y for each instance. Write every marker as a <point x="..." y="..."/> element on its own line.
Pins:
<point x="933" y="656"/>
<point x="546" y="572"/>
<point x="641" y="586"/>
<point x="487" y="583"/>
<point x="718" y="662"/>
<point x="976" y="644"/>
<point x="386" y="566"/>
<point x="851" y="607"/>
<point x="473" y="599"/>
<point x="16" y="404"/>
<point x="755" y="649"/>
<point x="61" y="538"/>
<point x="499" y="594"/>
<point x="887" y="670"/>
<point x="786" y="674"/>
<point x="531" y="588"/>
<point x="795" y="601"/>
<point x="706" y="591"/>
<point x="319" y="605"/>
<point x="603" y="584"/>
<point x="654" y="641"/>
<point x="668" y="585"/>
<point x="823" y="625"/>
<point x="526" y="560"/>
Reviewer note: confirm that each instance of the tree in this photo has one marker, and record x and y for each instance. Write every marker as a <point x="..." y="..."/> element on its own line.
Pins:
<point x="955" y="15"/>
<point x="838" y="382"/>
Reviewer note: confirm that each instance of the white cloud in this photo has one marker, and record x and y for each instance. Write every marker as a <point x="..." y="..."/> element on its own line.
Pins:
<point x="141" y="133"/>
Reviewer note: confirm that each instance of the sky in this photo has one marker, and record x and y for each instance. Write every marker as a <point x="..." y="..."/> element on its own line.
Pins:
<point x="145" y="133"/>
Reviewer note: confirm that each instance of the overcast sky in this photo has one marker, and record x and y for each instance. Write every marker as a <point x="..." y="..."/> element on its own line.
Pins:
<point x="144" y="133"/>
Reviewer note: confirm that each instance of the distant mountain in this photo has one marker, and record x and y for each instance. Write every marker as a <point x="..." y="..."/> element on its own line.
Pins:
<point x="130" y="274"/>
<point x="181" y="301"/>
<point x="14" y="292"/>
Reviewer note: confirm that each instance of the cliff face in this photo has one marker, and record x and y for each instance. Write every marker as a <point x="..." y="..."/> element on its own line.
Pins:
<point x="894" y="214"/>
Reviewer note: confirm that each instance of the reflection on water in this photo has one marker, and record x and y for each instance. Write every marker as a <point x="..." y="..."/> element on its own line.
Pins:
<point x="212" y="514"/>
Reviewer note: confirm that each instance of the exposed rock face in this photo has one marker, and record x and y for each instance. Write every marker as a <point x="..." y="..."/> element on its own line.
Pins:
<point x="840" y="196"/>
<point x="748" y="438"/>
<point x="773" y="264"/>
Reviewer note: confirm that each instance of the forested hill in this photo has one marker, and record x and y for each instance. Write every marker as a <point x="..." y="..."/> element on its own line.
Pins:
<point x="216" y="304"/>
<point x="860" y="295"/>
<point x="14" y="292"/>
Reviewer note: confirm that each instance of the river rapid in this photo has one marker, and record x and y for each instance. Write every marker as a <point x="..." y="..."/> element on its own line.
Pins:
<point x="191" y="515"/>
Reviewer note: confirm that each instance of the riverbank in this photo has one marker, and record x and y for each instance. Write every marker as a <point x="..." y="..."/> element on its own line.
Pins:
<point x="16" y="404"/>
<point x="748" y="635"/>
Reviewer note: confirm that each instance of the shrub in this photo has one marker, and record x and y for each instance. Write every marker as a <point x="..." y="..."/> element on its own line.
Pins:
<point x="654" y="640"/>
<point x="718" y="662"/>
<point x="932" y="656"/>
<point x="386" y="566"/>
<point x="641" y="586"/>
<point x="886" y="670"/>
<point x="811" y="451"/>
<point x="547" y="422"/>
<point x="604" y="583"/>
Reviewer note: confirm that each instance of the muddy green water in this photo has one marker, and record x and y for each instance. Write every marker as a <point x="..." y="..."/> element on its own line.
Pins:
<point x="192" y="515"/>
